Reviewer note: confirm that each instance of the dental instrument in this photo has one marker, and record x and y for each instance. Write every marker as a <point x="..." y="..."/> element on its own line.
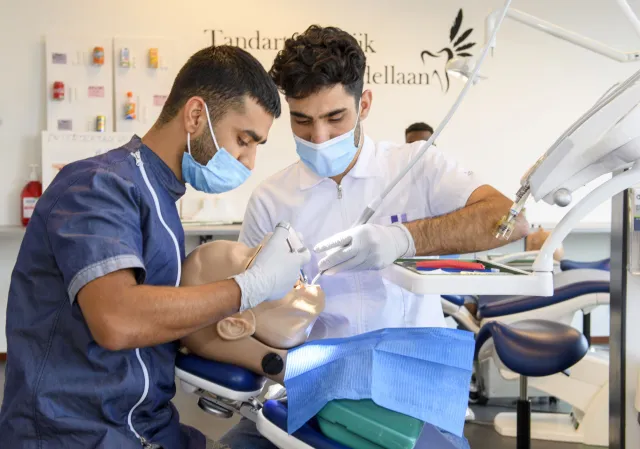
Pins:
<point x="294" y="243"/>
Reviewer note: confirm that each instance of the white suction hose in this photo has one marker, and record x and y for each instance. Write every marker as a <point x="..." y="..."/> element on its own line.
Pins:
<point x="373" y="206"/>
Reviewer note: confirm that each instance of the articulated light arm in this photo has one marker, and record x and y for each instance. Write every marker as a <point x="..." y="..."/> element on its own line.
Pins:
<point x="631" y="16"/>
<point x="619" y="182"/>
<point x="569" y="36"/>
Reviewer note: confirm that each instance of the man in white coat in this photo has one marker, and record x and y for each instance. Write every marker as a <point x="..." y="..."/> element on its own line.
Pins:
<point x="438" y="208"/>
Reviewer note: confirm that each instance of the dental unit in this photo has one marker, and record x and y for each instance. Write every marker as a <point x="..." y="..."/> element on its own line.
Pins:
<point x="526" y="338"/>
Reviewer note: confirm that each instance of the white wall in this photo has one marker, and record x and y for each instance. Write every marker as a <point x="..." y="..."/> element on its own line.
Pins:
<point x="537" y="85"/>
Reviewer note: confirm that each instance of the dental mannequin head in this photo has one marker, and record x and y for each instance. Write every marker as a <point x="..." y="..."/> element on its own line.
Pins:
<point x="321" y="73"/>
<point x="246" y="338"/>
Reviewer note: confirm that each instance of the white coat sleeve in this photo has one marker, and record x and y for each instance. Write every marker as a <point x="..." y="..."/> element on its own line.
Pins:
<point x="448" y="184"/>
<point x="256" y="223"/>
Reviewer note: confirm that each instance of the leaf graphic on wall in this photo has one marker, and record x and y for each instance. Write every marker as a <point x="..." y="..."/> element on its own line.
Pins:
<point x="462" y="37"/>
<point x="465" y="46"/>
<point x="456" y="26"/>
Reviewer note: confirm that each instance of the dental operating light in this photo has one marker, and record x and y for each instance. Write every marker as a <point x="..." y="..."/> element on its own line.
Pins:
<point x="461" y="67"/>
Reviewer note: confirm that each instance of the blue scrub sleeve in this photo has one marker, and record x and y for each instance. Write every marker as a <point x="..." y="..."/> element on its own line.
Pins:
<point x="94" y="229"/>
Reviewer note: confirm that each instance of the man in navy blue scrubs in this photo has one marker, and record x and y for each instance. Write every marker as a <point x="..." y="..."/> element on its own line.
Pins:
<point x="94" y="307"/>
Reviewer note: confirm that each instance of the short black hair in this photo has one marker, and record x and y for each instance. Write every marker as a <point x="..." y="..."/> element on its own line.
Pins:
<point x="222" y="76"/>
<point x="419" y="126"/>
<point x="318" y="58"/>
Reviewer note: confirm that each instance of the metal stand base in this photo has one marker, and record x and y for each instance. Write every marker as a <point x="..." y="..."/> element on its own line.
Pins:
<point x="523" y="437"/>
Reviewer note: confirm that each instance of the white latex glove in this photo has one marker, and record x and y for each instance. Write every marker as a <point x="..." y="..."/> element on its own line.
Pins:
<point x="365" y="247"/>
<point x="274" y="272"/>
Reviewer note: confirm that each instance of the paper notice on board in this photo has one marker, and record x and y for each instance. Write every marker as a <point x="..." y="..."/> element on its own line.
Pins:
<point x="159" y="100"/>
<point x="65" y="125"/>
<point x="96" y="91"/>
<point x="58" y="58"/>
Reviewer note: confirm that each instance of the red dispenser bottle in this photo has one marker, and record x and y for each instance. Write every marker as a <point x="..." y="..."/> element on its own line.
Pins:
<point x="30" y="195"/>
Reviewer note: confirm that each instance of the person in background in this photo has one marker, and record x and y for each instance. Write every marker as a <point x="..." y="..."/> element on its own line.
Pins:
<point x="94" y="308"/>
<point x="418" y="131"/>
<point x="438" y="208"/>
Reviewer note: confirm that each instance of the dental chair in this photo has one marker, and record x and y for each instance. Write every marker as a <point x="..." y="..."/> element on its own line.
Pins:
<point x="538" y="349"/>
<point x="522" y="348"/>
<point x="225" y="390"/>
<point x="581" y="286"/>
<point x="226" y="365"/>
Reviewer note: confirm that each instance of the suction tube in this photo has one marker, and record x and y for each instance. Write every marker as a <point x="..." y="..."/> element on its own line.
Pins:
<point x="373" y="206"/>
<point x="368" y="212"/>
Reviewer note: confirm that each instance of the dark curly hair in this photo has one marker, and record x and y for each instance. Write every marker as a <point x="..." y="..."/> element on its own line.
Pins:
<point x="318" y="58"/>
<point x="222" y="76"/>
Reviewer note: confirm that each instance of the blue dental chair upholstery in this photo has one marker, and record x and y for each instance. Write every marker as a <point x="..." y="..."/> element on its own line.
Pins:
<point x="458" y="300"/>
<point x="567" y="265"/>
<point x="496" y="306"/>
<point x="276" y="412"/>
<point x="236" y="378"/>
<point x="534" y="348"/>
<point x="229" y="376"/>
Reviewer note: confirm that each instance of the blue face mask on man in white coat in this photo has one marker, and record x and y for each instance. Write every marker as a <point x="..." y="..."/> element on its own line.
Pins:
<point x="332" y="157"/>
<point x="364" y="247"/>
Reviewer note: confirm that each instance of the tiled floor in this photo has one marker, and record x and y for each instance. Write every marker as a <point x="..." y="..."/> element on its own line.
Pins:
<point x="480" y="434"/>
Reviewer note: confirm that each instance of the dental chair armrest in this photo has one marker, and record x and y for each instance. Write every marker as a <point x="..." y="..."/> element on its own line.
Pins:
<point x="516" y="256"/>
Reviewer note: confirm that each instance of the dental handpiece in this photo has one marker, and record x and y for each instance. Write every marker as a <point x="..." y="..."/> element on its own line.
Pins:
<point x="507" y="224"/>
<point x="294" y="243"/>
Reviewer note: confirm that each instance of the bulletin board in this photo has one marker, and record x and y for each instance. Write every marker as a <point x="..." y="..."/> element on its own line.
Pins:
<point x="84" y="66"/>
<point x="147" y="67"/>
<point x="60" y="148"/>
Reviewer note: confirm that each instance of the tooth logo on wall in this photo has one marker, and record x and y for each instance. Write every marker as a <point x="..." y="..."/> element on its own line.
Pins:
<point x="375" y="73"/>
<point x="458" y="47"/>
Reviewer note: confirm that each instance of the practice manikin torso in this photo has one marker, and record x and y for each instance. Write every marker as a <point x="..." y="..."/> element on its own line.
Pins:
<point x="244" y="339"/>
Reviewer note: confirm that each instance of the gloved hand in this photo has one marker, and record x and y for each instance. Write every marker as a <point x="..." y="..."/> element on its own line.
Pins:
<point x="274" y="271"/>
<point x="365" y="247"/>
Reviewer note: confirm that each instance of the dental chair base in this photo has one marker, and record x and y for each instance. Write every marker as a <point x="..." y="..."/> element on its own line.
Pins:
<point x="223" y="389"/>
<point x="552" y="427"/>
<point x="532" y="349"/>
<point x="580" y="289"/>
<point x="585" y="388"/>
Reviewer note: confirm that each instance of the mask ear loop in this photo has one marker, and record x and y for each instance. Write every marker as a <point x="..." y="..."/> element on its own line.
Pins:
<point x="357" y="144"/>
<point x="215" y="142"/>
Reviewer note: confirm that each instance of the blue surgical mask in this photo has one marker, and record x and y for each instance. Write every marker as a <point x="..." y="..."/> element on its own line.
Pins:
<point x="222" y="173"/>
<point x="329" y="158"/>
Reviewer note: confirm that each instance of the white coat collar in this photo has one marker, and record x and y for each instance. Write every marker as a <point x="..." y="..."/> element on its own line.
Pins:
<point x="367" y="166"/>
